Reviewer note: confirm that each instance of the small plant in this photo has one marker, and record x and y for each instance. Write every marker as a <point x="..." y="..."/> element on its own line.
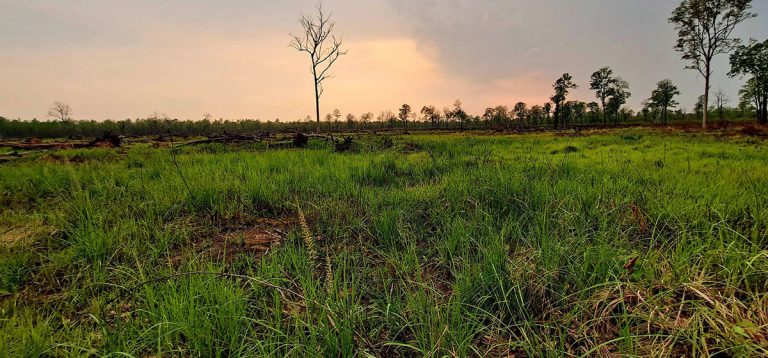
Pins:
<point x="328" y="272"/>
<point x="309" y="240"/>
<point x="387" y="142"/>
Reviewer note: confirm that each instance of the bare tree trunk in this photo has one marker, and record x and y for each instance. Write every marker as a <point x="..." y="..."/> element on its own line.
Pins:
<point x="317" y="109"/>
<point x="706" y="99"/>
<point x="605" y="120"/>
<point x="317" y="99"/>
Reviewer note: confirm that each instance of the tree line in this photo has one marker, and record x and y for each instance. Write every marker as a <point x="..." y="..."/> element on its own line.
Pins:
<point x="520" y="116"/>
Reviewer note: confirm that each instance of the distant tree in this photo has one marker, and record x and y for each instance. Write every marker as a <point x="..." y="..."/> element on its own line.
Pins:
<point x="404" y="113"/>
<point x="752" y="97"/>
<point x="547" y="111"/>
<point x="566" y="112"/>
<point x="336" y="115"/>
<point x="536" y="114"/>
<point x="600" y="82"/>
<point x="663" y="98"/>
<point x="593" y="108"/>
<point x="704" y="30"/>
<point x="207" y="117"/>
<point x="4" y="127"/>
<point x="573" y="112"/>
<point x="521" y="112"/>
<point x="618" y="93"/>
<point x="366" y="117"/>
<point x="60" y="111"/>
<point x="746" y="104"/>
<point x="497" y="116"/>
<point x="752" y="60"/>
<point x="699" y="107"/>
<point x="578" y="111"/>
<point x="387" y="117"/>
<point x="430" y="114"/>
<point x="647" y="110"/>
<point x="457" y="113"/>
<point x="351" y="120"/>
<point x="323" y="47"/>
<point x="626" y="113"/>
<point x="562" y="86"/>
<point x="721" y="100"/>
<point x="488" y="116"/>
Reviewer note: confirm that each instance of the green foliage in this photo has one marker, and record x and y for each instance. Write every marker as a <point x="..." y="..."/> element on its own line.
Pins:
<point x="14" y="267"/>
<point x="562" y="86"/>
<point x="752" y="60"/>
<point x="704" y="29"/>
<point x="663" y="98"/>
<point x="404" y="113"/>
<point x="600" y="82"/>
<point x="23" y="335"/>
<point x="618" y="93"/>
<point x="210" y="314"/>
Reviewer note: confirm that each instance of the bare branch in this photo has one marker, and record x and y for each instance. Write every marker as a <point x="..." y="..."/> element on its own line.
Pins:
<point x="60" y="111"/>
<point x="323" y="47"/>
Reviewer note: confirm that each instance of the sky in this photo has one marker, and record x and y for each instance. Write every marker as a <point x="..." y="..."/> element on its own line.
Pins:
<point x="112" y="59"/>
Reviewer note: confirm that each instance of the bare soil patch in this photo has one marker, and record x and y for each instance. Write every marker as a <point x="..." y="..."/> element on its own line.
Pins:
<point x="255" y="238"/>
<point x="225" y="239"/>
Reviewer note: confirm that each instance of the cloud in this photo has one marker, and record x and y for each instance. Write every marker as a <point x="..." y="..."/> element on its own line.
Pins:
<point x="115" y="59"/>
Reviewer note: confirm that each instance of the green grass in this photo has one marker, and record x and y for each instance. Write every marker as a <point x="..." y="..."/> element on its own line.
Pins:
<point x="441" y="245"/>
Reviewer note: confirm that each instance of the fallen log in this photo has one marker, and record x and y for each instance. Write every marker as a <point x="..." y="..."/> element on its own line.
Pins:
<point x="108" y="140"/>
<point x="298" y="140"/>
<point x="223" y="139"/>
<point x="4" y="158"/>
<point x="39" y="146"/>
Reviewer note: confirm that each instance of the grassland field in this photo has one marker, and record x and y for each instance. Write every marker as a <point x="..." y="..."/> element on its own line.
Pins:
<point x="630" y="242"/>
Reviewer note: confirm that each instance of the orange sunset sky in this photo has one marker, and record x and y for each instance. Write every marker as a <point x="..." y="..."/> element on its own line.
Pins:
<point x="128" y="59"/>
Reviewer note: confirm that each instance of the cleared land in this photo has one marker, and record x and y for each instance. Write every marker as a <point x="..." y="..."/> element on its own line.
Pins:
<point x="632" y="242"/>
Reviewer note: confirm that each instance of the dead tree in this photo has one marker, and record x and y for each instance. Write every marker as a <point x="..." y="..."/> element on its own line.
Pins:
<point x="60" y="111"/>
<point x="323" y="47"/>
<point x="721" y="100"/>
